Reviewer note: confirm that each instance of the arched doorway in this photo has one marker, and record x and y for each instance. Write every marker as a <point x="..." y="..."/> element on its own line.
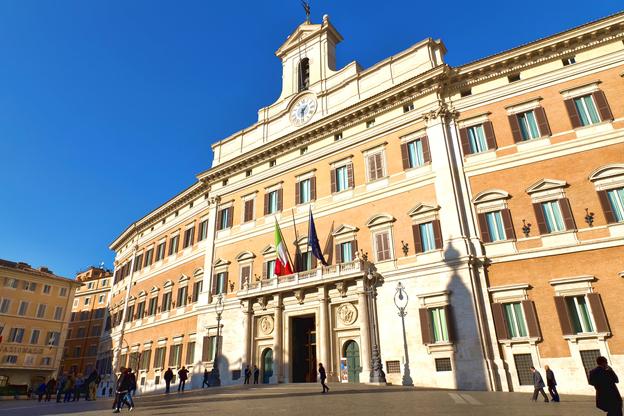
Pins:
<point x="267" y="365"/>
<point x="351" y="351"/>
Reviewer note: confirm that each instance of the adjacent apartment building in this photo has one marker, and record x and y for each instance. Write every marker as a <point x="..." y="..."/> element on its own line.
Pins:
<point x="35" y="306"/>
<point x="88" y="321"/>
<point x="493" y="192"/>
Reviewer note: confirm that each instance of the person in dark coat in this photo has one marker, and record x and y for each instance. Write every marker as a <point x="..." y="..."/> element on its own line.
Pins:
<point x="123" y="386"/>
<point x="604" y="380"/>
<point x="538" y="385"/>
<point x="206" y="381"/>
<point x="256" y="373"/>
<point x="41" y="389"/>
<point x="323" y="377"/>
<point x="552" y="384"/>
<point x="60" y="387"/>
<point x="183" y="375"/>
<point x="168" y="378"/>
<point x="247" y="375"/>
<point x="50" y="389"/>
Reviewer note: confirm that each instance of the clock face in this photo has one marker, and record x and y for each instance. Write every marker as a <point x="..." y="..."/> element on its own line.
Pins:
<point x="302" y="110"/>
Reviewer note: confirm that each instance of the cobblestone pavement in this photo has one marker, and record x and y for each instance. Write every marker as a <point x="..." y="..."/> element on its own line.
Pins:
<point x="306" y="399"/>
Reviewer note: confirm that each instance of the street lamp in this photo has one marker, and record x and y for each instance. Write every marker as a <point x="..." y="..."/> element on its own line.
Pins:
<point x="219" y="306"/>
<point x="377" y="374"/>
<point x="400" y="300"/>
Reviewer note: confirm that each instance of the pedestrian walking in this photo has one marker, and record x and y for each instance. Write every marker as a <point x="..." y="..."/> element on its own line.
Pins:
<point x="133" y="384"/>
<point x="123" y="386"/>
<point x="92" y="383"/>
<point x="168" y="378"/>
<point x="60" y="388"/>
<point x="206" y="378"/>
<point x="247" y="375"/>
<point x="78" y="385"/>
<point x="323" y="377"/>
<point x="256" y="374"/>
<point x="69" y="388"/>
<point x="604" y="380"/>
<point x="538" y="385"/>
<point x="551" y="382"/>
<point x="50" y="389"/>
<point x="183" y="376"/>
<point x="41" y="389"/>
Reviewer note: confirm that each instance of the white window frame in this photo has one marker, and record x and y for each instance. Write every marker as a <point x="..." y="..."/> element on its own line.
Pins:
<point x="372" y="152"/>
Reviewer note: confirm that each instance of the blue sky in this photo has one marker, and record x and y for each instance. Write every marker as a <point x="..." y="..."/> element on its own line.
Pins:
<point x="108" y="108"/>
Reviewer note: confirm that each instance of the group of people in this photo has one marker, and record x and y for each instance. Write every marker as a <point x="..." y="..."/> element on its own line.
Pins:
<point x="603" y="378"/>
<point x="256" y="374"/>
<point x="69" y="388"/>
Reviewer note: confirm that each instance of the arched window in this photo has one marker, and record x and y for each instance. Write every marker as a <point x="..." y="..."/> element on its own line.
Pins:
<point x="304" y="74"/>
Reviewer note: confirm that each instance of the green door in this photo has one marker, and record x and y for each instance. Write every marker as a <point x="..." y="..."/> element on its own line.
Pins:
<point x="352" y="353"/>
<point x="267" y="365"/>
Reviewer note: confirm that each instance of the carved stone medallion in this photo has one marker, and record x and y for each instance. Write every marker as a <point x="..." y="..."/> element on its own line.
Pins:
<point x="347" y="313"/>
<point x="266" y="325"/>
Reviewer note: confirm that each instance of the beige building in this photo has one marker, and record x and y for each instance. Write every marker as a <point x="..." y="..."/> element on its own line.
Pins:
<point x="35" y="306"/>
<point x="492" y="193"/>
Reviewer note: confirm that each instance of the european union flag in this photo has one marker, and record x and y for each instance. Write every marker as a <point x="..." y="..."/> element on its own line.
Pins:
<point x="313" y="241"/>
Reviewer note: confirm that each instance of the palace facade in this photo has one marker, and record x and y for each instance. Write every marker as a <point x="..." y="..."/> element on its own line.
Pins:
<point x="492" y="192"/>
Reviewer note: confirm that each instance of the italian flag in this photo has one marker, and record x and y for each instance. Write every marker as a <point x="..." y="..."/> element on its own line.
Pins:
<point x="282" y="263"/>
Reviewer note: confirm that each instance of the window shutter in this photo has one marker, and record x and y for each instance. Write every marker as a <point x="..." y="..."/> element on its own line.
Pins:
<point x="354" y="248"/>
<point x="225" y="282"/>
<point x="437" y="233"/>
<point x="372" y="171"/>
<point x="602" y="106"/>
<point x="265" y="268"/>
<point x="539" y="217"/>
<point x="249" y="210"/>
<point x="425" y="326"/>
<point x="280" y="199"/>
<point x="515" y="128"/>
<point x="313" y="188"/>
<point x="405" y="156"/>
<point x="499" y="321"/>
<point x="205" y="350"/>
<point x="531" y="319"/>
<point x="230" y="217"/>
<point x="606" y="207"/>
<point x="417" y="239"/>
<point x="542" y="121"/>
<point x="564" y="317"/>
<point x="572" y="113"/>
<point x="379" y="246"/>
<point x="213" y="286"/>
<point x="600" y="317"/>
<point x="509" y="229"/>
<point x="171" y="357"/>
<point x="297" y="193"/>
<point x="426" y="150"/>
<point x="566" y="211"/>
<point x="266" y="203"/>
<point x="379" y="163"/>
<point x="314" y="261"/>
<point x="450" y="328"/>
<point x="483" y="227"/>
<point x="338" y="254"/>
<point x="350" y="175"/>
<point x="490" y="138"/>
<point x="465" y="142"/>
<point x="332" y="175"/>
<point x="219" y="221"/>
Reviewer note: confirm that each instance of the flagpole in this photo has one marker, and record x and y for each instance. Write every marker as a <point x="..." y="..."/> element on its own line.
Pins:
<point x="297" y="258"/>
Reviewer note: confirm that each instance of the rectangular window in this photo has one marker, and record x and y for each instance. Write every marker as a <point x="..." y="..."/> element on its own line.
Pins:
<point x="153" y="305"/>
<point x="337" y="136"/>
<point x="370" y="123"/>
<point x="616" y="200"/>
<point x="524" y="362"/>
<point x="175" y="355"/>
<point x="34" y="336"/>
<point x="189" y="235"/>
<point x="23" y="308"/>
<point x="443" y="364"/>
<point x="63" y="292"/>
<point x="568" y="61"/>
<point x="182" y="296"/>
<point x="149" y="257"/>
<point x="346" y="252"/>
<point x="10" y="359"/>
<point x="221" y="282"/>
<point x="528" y="125"/>
<point x="41" y="310"/>
<point x="197" y="288"/>
<point x="141" y="310"/>
<point x="415" y="153"/>
<point x="9" y="282"/>
<point x="269" y="271"/>
<point x="4" y="305"/>
<point x="159" y="357"/>
<point x="99" y="313"/>
<point x="138" y="262"/>
<point x="101" y="299"/>
<point x="382" y="246"/>
<point x="438" y="322"/>
<point x="129" y="314"/>
<point x="273" y="202"/>
<point x="81" y="332"/>
<point x="393" y="367"/>
<point x="477" y="139"/>
<point x="427" y="236"/>
<point x="586" y="109"/>
<point x="58" y="313"/>
<point x="211" y="348"/>
<point x="375" y="166"/>
<point x="47" y="289"/>
<point x="342" y="179"/>
<point x="496" y="227"/>
<point x="145" y="360"/>
<point x="304" y="191"/>
<point x="190" y="353"/>
<point x="588" y="358"/>
<point x="87" y="301"/>
<point x="224" y="219"/>
<point x="166" y="302"/>
<point x="306" y="261"/>
<point x="203" y="230"/>
<point x="30" y="286"/>
<point x="248" y="213"/>
<point x="553" y="216"/>
<point x="514" y="317"/>
<point x="16" y="335"/>
<point x="173" y="244"/>
<point x="580" y="314"/>
<point x="408" y="107"/>
<point x="95" y="330"/>
<point x="160" y="251"/>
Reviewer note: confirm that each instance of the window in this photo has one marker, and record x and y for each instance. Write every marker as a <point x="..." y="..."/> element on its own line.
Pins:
<point x="210" y="348"/>
<point x="10" y="359"/>
<point x="305" y="262"/>
<point x="269" y="269"/>
<point x="23" y="308"/>
<point x="104" y="283"/>
<point x="528" y="125"/>
<point x="427" y="236"/>
<point x="342" y="180"/>
<point x="414" y="153"/>
<point x="580" y="315"/>
<point x="129" y="314"/>
<point x="514" y="318"/>
<point x="190" y="353"/>
<point x="304" y="74"/>
<point x="337" y="136"/>
<point x="175" y="355"/>
<point x="588" y="358"/>
<point x="9" y="282"/>
<point x="304" y="191"/>
<point x="225" y="218"/>
<point x="149" y="257"/>
<point x="41" y="310"/>
<point x="153" y="305"/>
<point x="101" y="299"/>
<point x="443" y="364"/>
<point x="99" y="313"/>
<point x="182" y="296"/>
<point x="303" y="150"/>
<point x="159" y="357"/>
<point x="248" y="173"/>
<point x="141" y="310"/>
<point x="224" y="182"/>
<point x="272" y="163"/>
<point x="203" y="230"/>
<point x="513" y="78"/>
<point x="81" y="332"/>
<point x="4" y="305"/>
<point x="189" y="235"/>
<point x="84" y="315"/>
<point x="586" y="110"/>
<point x="58" y="313"/>
<point x="197" y="288"/>
<point x="173" y="244"/>
<point x="145" y="360"/>
<point x="408" y="107"/>
<point x="166" y="302"/>
<point x="34" y="336"/>
<point x="568" y="61"/>
<point x="221" y="283"/>
<point x="95" y="331"/>
<point x="375" y="165"/>
<point x="138" y="262"/>
<point x="370" y="123"/>
<point x="346" y="252"/>
<point x="160" y="251"/>
<point x="524" y="362"/>
<point x="465" y="93"/>
<point x="495" y="225"/>
<point x="552" y="216"/>
<point x="272" y="200"/>
<point x="89" y="285"/>
<point x="47" y="289"/>
<point x="438" y="321"/>
<point x="616" y="201"/>
<point x="30" y="286"/>
<point x="63" y="291"/>
<point x="87" y="301"/>
<point x="382" y="246"/>
<point x="477" y="138"/>
<point x="91" y="352"/>
<point x="393" y="367"/>
<point x="16" y="335"/>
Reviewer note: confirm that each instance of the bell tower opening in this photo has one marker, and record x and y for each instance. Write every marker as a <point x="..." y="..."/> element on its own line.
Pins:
<point x="304" y="74"/>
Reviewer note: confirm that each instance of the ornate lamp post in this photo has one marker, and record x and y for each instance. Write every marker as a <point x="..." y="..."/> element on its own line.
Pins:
<point x="219" y="306"/>
<point x="400" y="300"/>
<point x="377" y="374"/>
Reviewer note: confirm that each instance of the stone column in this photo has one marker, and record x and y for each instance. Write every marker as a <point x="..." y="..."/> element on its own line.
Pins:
<point x="277" y="339"/>
<point x="323" y="339"/>
<point x="365" y="348"/>
<point x="247" y="316"/>
<point x="209" y="242"/>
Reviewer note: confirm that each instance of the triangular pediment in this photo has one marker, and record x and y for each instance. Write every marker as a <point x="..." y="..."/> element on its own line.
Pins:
<point x="490" y="195"/>
<point x="345" y="229"/>
<point x="154" y="289"/>
<point x="302" y="33"/>
<point x="221" y="262"/>
<point x="421" y="209"/>
<point x="142" y="294"/>
<point x="183" y="278"/>
<point x="545" y="185"/>
<point x="168" y="283"/>
<point x="198" y="272"/>
<point x="607" y="171"/>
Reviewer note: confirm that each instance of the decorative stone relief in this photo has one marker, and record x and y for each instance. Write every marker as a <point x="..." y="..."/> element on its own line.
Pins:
<point x="266" y="325"/>
<point x="347" y="313"/>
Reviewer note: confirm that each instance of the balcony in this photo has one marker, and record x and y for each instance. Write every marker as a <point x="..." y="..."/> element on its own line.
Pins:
<point x="309" y="278"/>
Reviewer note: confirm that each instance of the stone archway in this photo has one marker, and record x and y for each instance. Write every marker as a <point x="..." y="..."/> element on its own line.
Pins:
<point x="351" y="351"/>
<point x="266" y="363"/>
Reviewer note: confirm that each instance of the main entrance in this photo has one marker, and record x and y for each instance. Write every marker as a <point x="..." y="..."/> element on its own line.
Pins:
<point x="303" y="349"/>
<point x="352" y="354"/>
<point x="267" y="365"/>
